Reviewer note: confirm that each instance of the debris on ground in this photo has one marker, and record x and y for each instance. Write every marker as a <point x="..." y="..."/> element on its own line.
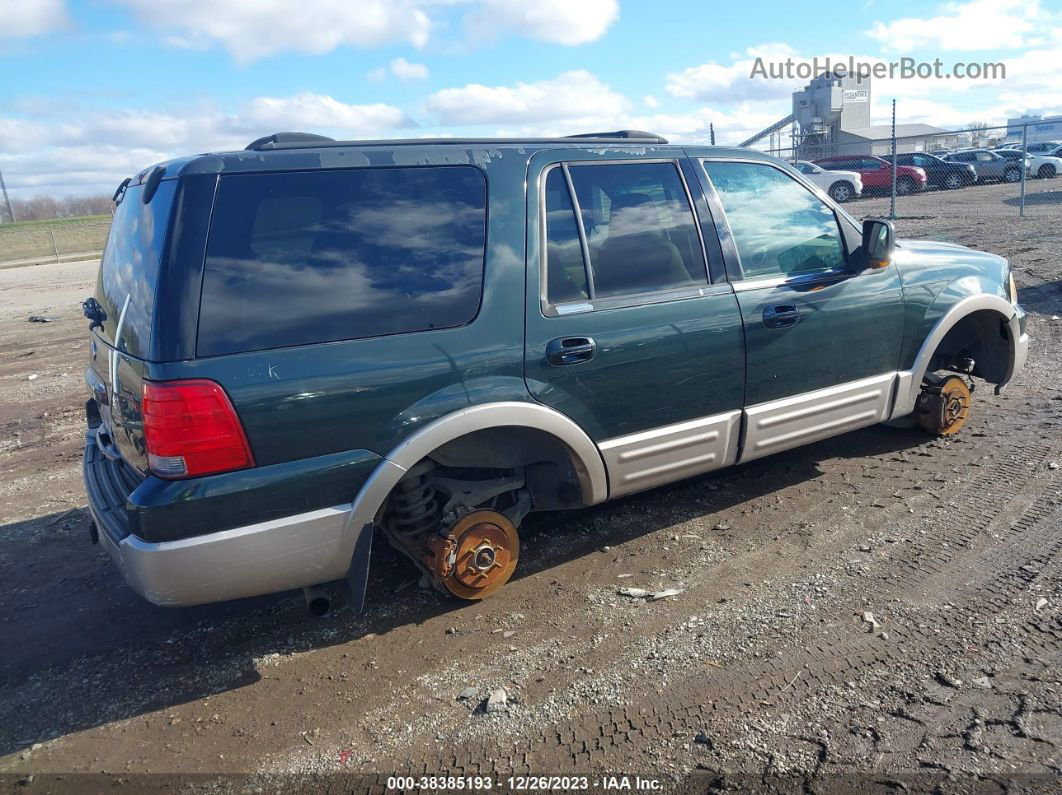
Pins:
<point x="649" y="596"/>
<point x="497" y="701"/>
<point x="468" y="693"/>
<point x="41" y="319"/>
<point x="665" y="594"/>
<point x="948" y="680"/>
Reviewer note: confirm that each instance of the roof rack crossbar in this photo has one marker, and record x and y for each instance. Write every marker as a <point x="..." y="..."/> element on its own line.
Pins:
<point x="631" y="134"/>
<point x="285" y="138"/>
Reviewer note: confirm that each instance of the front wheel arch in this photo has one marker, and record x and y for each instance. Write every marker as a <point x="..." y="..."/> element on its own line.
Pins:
<point x="996" y="333"/>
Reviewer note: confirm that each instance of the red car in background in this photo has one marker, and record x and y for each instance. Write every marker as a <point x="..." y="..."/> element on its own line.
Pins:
<point x="877" y="173"/>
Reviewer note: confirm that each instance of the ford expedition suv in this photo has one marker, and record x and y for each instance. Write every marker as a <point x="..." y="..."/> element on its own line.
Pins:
<point x="305" y="348"/>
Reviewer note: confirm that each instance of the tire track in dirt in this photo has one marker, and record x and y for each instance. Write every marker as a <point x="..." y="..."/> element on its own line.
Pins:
<point x="611" y="736"/>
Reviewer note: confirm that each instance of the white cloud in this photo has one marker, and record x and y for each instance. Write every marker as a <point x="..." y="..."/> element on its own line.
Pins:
<point x="976" y="25"/>
<point x="377" y="75"/>
<point x="94" y="150"/>
<point x="404" y="70"/>
<point x="22" y="18"/>
<point x="252" y="29"/>
<point x="650" y="101"/>
<point x="570" y="96"/>
<point x="714" y="82"/>
<point x="319" y="111"/>
<point x="568" y="22"/>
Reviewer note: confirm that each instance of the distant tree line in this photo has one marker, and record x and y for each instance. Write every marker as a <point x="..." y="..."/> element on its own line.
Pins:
<point x="41" y="208"/>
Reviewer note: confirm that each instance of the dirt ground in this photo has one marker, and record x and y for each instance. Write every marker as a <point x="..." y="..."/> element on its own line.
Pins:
<point x="766" y="671"/>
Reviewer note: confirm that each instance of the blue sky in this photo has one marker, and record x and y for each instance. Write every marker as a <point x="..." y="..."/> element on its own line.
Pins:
<point x="92" y="90"/>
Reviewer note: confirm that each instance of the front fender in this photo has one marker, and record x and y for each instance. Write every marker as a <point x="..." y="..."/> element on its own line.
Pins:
<point x="952" y="305"/>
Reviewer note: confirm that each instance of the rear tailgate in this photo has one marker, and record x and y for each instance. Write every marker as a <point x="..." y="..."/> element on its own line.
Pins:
<point x="122" y="325"/>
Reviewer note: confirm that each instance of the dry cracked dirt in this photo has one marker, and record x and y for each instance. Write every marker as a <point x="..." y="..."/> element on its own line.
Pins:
<point x="876" y="612"/>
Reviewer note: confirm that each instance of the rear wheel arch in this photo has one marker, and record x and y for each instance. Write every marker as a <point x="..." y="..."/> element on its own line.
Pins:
<point x="504" y="428"/>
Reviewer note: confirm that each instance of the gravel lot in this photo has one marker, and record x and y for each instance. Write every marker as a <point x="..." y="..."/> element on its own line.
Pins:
<point x="875" y="612"/>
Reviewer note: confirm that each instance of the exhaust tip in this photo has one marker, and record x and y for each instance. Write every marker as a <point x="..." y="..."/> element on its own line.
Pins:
<point x="317" y="601"/>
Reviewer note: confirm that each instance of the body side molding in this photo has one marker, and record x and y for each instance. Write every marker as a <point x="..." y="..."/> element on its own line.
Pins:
<point x="802" y="419"/>
<point x="911" y="383"/>
<point x="652" y="458"/>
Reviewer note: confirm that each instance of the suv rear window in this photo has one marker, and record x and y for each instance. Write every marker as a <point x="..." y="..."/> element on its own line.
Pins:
<point x="130" y="267"/>
<point x="302" y="257"/>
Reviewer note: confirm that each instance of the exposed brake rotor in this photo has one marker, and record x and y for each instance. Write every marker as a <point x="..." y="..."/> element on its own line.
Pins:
<point x="476" y="557"/>
<point x="944" y="407"/>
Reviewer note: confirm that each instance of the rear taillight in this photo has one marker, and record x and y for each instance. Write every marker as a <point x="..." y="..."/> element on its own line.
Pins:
<point x="191" y="428"/>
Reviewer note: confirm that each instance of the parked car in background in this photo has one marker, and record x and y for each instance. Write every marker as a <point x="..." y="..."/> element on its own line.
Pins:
<point x="1044" y="148"/>
<point x="990" y="166"/>
<point x="1042" y="166"/>
<point x="841" y="186"/>
<point x="877" y="173"/>
<point x="940" y="173"/>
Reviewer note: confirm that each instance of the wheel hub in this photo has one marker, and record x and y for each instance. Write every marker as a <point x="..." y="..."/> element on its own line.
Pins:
<point x="944" y="408"/>
<point x="476" y="557"/>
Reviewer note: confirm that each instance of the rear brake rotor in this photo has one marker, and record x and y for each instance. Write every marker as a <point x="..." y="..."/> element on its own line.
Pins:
<point x="943" y="408"/>
<point x="477" y="557"/>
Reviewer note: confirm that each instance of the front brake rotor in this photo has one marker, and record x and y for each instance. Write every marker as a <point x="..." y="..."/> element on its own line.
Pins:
<point x="944" y="407"/>
<point x="477" y="556"/>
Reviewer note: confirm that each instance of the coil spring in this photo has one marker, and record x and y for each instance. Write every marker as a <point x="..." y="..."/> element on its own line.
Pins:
<point x="414" y="508"/>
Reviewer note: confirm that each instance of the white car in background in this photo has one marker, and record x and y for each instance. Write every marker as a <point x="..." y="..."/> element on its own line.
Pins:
<point x="841" y="186"/>
<point x="1040" y="165"/>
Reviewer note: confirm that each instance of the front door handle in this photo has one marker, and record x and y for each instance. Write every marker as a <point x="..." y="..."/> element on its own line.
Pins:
<point x="781" y="316"/>
<point x="570" y="350"/>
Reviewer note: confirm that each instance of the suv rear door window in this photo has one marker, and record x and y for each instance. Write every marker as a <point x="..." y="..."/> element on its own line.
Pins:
<point x="303" y="257"/>
<point x="640" y="230"/>
<point x="780" y="228"/>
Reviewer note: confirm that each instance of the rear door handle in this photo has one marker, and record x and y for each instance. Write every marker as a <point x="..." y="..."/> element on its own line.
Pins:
<point x="570" y="350"/>
<point x="781" y="316"/>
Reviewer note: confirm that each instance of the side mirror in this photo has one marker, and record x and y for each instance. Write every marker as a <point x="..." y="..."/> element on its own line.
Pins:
<point x="879" y="238"/>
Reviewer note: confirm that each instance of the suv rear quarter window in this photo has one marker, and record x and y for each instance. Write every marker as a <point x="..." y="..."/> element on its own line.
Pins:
<point x="303" y="257"/>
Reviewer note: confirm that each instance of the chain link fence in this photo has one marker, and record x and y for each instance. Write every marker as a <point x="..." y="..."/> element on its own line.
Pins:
<point x="1014" y="170"/>
<point x="53" y="241"/>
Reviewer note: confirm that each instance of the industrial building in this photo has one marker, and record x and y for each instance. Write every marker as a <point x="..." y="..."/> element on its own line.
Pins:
<point x="832" y="116"/>
<point x="1041" y="128"/>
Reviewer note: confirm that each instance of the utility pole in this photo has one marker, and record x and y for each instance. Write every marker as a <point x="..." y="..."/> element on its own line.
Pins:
<point x="7" y="214"/>
<point x="1024" y="166"/>
<point x="711" y="132"/>
<point x="892" y="202"/>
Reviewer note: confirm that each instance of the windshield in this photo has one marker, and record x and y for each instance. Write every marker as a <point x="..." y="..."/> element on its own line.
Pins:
<point x="130" y="266"/>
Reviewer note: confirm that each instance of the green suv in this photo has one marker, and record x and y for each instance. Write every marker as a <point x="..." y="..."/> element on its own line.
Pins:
<point x="309" y="345"/>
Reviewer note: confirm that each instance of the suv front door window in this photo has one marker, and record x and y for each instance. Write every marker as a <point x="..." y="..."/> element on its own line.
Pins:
<point x="780" y="228"/>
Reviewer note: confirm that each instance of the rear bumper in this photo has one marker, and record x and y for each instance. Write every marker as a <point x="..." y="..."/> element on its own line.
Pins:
<point x="277" y="555"/>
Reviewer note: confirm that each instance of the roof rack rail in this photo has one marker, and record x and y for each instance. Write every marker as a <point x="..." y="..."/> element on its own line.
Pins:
<point x="301" y="140"/>
<point x="271" y="141"/>
<point x="635" y="134"/>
